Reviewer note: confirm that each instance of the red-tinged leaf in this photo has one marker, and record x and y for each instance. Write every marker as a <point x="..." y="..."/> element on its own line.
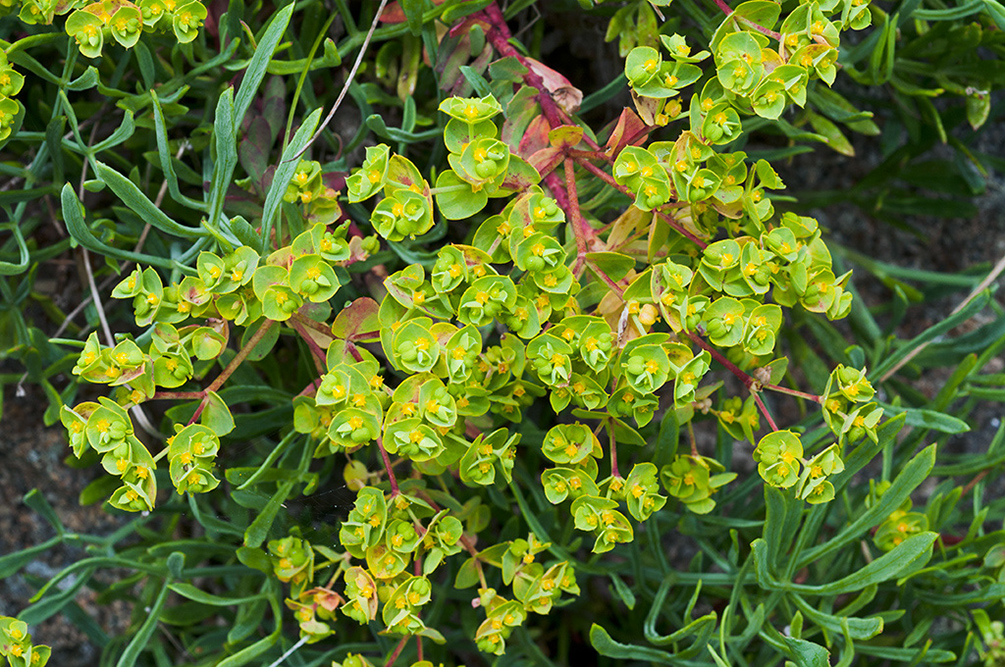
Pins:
<point x="393" y="13"/>
<point x="565" y="136"/>
<point x="647" y="107"/>
<point x="520" y="112"/>
<point x="358" y="321"/>
<point x="520" y="175"/>
<point x="535" y="138"/>
<point x="566" y="95"/>
<point x="546" y="159"/>
<point x="629" y="125"/>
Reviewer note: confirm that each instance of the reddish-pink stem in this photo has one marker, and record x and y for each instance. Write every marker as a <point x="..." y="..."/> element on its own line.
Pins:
<point x="232" y="366"/>
<point x="764" y="411"/>
<point x="387" y="466"/>
<point x="794" y="392"/>
<point x="580" y="228"/>
<point x="397" y="651"/>
<point x="607" y="279"/>
<point x="607" y="178"/>
<point x="316" y="352"/>
<point x="730" y="366"/>
<point x="177" y="395"/>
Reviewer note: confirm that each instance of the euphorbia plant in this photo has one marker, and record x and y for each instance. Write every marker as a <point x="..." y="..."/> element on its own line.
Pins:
<point x="591" y="318"/>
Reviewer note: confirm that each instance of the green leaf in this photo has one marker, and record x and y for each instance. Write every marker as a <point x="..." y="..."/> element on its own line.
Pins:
<point x="606" y="646"/>
<point x="932" y="419"/>
<point x="141" y="205"/>
<point x="36" y="501"/>
<point x="615" y="265"/>
<point x="142" y="637"/>
<point x="623" y="590"/>
<point x="198" y="595"/>
<point x="284" y="172"/>
<point x="914" y="473"/>
<point x="972" y="308"/>
<point x="259" y="62"/>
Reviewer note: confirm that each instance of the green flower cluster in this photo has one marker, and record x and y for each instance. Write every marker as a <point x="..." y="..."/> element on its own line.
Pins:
<point x="901" y="524"/>
<point x="11" y="82"/>
<point x="93" y="24"/>
<point x="16" y="646"/>
<point x="464" y="343"/>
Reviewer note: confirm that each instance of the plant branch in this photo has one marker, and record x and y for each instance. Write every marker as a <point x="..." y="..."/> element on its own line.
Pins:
<point x="242" y="354"/>
<point x="581" y="230"/>
<point x="319" y="356"/>
<point x="607" y="178"/>
<point x="730" y="366"/>
<point x="764" y="410"/>
<point x="388" y="467"/>
<point x="793" y="392"/>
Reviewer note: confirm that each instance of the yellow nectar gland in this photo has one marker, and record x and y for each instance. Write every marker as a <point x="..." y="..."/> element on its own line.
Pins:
<point x="652" y="366"/>
<point x="422" y="343"/>
<point x="355" y="422"/>
<point x="193" y="478"/>
<point x="458" y="352"/>
<point x="131" y="495"/>
<point x="415" y="437"/>
<point x="689" y="479"/>
<point x="806" y="60"/>
<point x="359" y="400"/>
<point x="557" y="359"/>
<point x="121" y="465"/>
<point x="650" y="65"/>
<point x="707" y="104"/>
<point x="637" y="491"/>
<point x="373" y="176"/>
<point x="480" y="154"/>
<point x="142" y="472"/>
<point x="550" y="280"/>
<point x="788" y="457"/>
<point x="538" y="249"/>
<point x="681" y="166"/>
<point x="482" y="297"/>
<point x="670" y="81"/>
<point x="419" y="297"/>
<point x="470" y="111"/>
<point x="185" y="458"/>
<point x="455" y="270"/>
<point x="721" y="118"/>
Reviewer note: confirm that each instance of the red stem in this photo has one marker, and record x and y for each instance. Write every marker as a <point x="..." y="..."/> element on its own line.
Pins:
<point x="607" y="279"/>
<point x="794" y="392"/>
<point x="764" y="411"/>
<point x="579" y="226"/>
<point x="397" y="651"/>
<point x="387" y="466"/>
<point x="607" y="178"/>
<point x="319" y="356"/>
<point x="232" y="366"/>
<point x="733" y="368"/>
<point x="177" y="395"/>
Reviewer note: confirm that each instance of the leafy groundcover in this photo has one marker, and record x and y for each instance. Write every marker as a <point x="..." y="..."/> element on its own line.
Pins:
<point x="388" y="344"/>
